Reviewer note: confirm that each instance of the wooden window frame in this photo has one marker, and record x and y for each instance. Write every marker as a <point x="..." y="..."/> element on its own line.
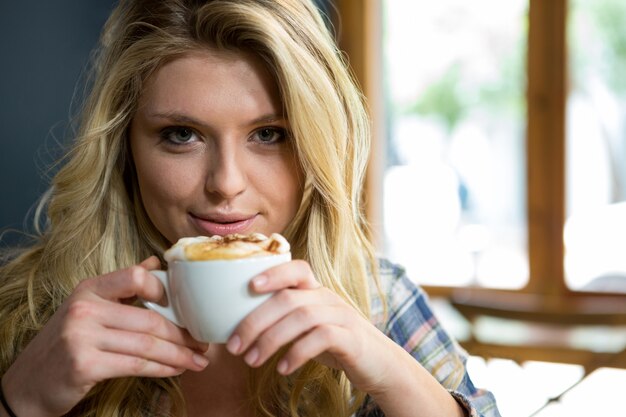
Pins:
<point x="546" y="298"/>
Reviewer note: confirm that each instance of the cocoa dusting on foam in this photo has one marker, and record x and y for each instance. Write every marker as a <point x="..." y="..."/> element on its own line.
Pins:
<point x="235" y="246"/>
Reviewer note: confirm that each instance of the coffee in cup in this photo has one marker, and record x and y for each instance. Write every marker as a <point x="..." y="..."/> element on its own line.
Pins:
<point x="207" y="281"/>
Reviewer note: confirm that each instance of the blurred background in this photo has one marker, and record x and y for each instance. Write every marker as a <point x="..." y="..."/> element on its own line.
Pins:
<point x="45" y="51"/>
<point x="500" y="157"/>
<point x="498" y="177"/>
<point x="456" y="122"/>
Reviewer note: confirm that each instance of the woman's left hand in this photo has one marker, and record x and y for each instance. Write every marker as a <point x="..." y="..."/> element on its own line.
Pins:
<point x="319" y="324"/>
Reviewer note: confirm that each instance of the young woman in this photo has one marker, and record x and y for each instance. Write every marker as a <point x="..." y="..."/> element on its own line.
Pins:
<point x="217" y="117"/>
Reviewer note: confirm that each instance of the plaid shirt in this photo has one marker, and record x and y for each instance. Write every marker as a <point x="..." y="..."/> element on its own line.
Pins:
<point x="411" y="324"/>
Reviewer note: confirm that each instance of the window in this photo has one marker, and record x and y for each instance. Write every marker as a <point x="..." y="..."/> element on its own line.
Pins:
<point x="545" y="314"/>
<point x="454" y="210"/>
<point x="595" y="228"/>
<point x="524" y="90"/>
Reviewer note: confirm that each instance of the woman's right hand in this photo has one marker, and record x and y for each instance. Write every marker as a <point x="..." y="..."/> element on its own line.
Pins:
<point x="96" y="335"/>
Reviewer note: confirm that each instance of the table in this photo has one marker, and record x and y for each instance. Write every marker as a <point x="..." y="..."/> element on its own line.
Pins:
<point x="601" y="393"/>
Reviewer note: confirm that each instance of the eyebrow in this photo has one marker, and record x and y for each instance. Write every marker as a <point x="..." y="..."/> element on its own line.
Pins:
<point x="185" y="119"/>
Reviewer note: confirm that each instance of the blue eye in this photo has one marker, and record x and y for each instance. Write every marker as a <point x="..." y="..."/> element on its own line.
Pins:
<point x="269" y="135"/>
<point x="178" y="135"/>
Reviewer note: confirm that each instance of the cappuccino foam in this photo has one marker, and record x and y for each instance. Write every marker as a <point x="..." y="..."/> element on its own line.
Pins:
<point x="235" y="246"/>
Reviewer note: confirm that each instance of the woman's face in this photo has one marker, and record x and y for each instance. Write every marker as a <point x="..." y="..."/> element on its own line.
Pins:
<point x="211" y="148"/>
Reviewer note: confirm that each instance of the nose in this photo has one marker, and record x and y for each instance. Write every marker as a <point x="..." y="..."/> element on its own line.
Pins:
<point x="227" y="173"/>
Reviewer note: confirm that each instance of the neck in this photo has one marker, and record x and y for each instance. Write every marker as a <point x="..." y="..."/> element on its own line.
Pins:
<point x="221" y="385"/>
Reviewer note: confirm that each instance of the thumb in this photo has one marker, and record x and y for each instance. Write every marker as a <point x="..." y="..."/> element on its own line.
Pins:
<point x="151" y="263"/>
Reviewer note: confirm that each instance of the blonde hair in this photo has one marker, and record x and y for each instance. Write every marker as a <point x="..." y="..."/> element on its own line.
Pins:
<point x="97" y="224"/>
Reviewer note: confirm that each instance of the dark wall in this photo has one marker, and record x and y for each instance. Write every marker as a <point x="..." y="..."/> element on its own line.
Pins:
<point x="44" y="48"/>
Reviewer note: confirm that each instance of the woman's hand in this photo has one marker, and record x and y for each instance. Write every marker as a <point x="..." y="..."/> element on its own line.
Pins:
<point x="321" y="326"/>
<point x="96" y="335"/>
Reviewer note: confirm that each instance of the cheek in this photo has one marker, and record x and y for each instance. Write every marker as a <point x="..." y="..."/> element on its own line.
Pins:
<point x="294" y="185"/>
<point x="285" y="187"/>
<point x="164" y="183"/>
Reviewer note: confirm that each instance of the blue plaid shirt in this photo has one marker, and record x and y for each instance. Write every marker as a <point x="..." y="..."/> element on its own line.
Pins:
<point x="411" y="324"/>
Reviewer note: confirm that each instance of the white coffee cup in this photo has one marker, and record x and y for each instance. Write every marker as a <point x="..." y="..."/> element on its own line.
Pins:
<point x="210" y="298"/>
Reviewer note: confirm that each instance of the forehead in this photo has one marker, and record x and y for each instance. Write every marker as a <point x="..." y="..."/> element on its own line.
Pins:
<point x="208" y="78"/>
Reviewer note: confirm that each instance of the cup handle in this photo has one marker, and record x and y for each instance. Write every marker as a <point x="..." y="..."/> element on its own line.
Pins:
<point x="166" y="311"/>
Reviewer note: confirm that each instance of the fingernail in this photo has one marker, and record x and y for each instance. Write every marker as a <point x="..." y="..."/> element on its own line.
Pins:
<point x="282" y="366"/>
<point x="200" y="360"/>
<point x="252" y="356"/>
<point x="233" y="344"/>
<point x="259" y="281"/>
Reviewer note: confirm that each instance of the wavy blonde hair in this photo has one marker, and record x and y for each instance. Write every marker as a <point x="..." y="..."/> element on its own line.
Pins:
<point x="96" y="222"/>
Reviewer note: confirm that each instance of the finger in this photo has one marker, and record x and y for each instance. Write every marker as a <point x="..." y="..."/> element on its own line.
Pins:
<point x="273" y="310"/>
<point x="315" y="343"/>
<point x="294" y="274"/>
<point x="151" y="263"/>
<point x="135" y="281"/>
<point x="152" y="348"/>
<point x="115" y="365"/>
<point x="141" y="320"/>
<point x="299" y="322"/>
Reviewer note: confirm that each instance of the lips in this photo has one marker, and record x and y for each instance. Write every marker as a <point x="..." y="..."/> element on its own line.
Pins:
<point x="223" y="224"/>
